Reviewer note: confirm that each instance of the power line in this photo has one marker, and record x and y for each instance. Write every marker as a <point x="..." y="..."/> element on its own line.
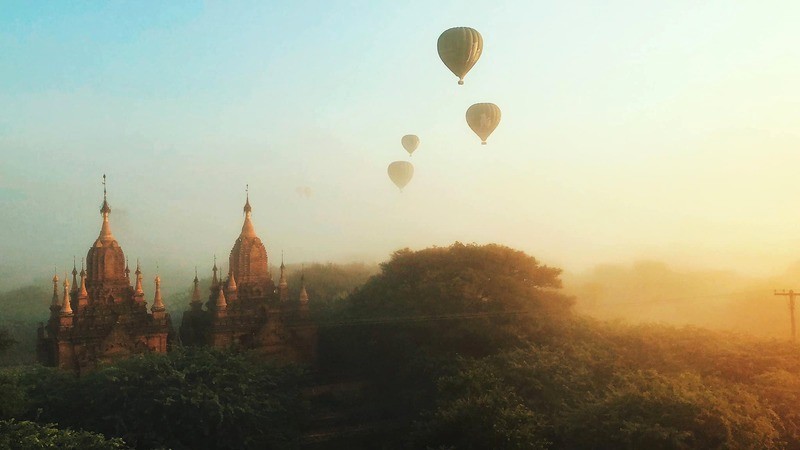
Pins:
<point x="425" y="318"/>
<point x="673" y="299"/>
<point x="791" y="294"/>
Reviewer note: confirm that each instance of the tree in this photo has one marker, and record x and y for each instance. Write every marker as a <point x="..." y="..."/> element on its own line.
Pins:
<point x="406" y="326"/>
<point x="13" y="398"/>
<point x="327" y="285"/>
<point x="187" y="399"/>
<point x="478" y="409"/>
<point x="645" y="409"/>
<point x="780" y="390"/>
<point x="5" y="340"/>
<point x="31" y="436"/>
<point x="462" y="299"/>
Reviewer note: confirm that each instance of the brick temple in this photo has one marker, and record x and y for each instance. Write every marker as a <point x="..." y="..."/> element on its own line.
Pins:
<point x="103" y="317"/>
<point x="247" y="310"/>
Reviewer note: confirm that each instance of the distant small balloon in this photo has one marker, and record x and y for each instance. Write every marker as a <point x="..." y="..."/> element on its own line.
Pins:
<point x="410" y="143"/>
<point x="483" y="118"/>
<point x="304" y="191"/>
<point x="459" y="49"/>
<point x="401" y="172"/>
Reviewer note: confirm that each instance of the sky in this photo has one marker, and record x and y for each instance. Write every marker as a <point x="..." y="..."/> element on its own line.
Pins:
<point x="630" y="130"/>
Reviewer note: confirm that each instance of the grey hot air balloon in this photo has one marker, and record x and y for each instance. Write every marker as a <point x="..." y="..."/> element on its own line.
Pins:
<point x="410" y="143"/>
<point x="400" y="172"/>
<point x="459" y="48"/>
<point x="483" y="118"/>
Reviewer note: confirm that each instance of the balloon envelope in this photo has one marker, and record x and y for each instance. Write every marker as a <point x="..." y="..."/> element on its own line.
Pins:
<point x="400" y="172"/>
<point x="483" y="118"/>
<point x="459" y="48"/>
<point x="410" y="143"/>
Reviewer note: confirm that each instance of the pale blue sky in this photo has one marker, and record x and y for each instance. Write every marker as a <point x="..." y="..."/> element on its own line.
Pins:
<point x="631" y="129"/>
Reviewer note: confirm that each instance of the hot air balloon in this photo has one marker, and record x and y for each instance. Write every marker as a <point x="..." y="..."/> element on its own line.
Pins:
<point x="459" y="48"/>
<point x="400" y="172"/>
<point x="410" y="143"/>
<point x="483" y="118"/>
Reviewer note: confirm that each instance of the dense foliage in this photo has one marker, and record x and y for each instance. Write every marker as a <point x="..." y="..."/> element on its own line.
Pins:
<point x="473" y="343"/>
<point x="462" y="299"/>
<point x="184" y="400"/>
<point x="26" y="435"/>
<point x="5" y="340"/>
<point x="462" y="347"/>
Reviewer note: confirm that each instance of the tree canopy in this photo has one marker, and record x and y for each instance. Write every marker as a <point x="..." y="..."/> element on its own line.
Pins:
<point x="187" y="399"/>
<point x="464" y="346"/>
<point x="25" y="435"/>
<point x="461" y="299"/>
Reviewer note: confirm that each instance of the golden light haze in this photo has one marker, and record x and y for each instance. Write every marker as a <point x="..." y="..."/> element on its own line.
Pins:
<point x="630" y="131"/>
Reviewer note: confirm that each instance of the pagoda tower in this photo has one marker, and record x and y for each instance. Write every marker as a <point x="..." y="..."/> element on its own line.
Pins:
<point x="246" y="309"/>
<point x="104" y="317"/>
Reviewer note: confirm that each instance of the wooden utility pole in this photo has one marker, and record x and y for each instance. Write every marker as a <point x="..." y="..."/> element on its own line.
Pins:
<point x="791" y="294"/>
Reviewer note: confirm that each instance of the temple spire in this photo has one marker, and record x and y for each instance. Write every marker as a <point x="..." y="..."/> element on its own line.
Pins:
<point x="82" y="292"/>
<point x="139" y="289"/>
<point x="247" y="208"/>
<point x="221" y="304"/>
<point x="127" y="271"/>
<point x="74" y="277"/>
<point x="105" y="210"/>
<point x="231" y="281"/>
<point x="283" y="285"/>
<point x="214" y="279"/>
<point x="66" y="308"/>
<point x="196" y="290"/>
<point x="303" y="293"/>
<point x="158" y="302"/>
<point x="248" y="230"/>
<point x="55" y="302"/>
<point x="282" y="282"/>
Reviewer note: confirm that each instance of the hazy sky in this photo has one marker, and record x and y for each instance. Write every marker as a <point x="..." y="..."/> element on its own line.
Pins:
<point x="631" y="129"/>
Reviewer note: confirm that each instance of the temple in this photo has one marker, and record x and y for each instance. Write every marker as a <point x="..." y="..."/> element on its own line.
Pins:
<point x="247" y="310"/>
<point x="103" y="317"/>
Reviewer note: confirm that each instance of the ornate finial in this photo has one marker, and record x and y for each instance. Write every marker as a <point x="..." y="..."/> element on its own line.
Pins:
<point x="66" y="308"/>
<point x="139" y="289"/>
<point x="55" y="301"/>
<point x="221" y="303"/>
<point x="283" y="285"/>
<point x="303" y="295"/>
<point x="196" y="289"/>
<point x="231" y="281"/>
<point x="105" y="210"/>
<point x="247" y="207"/>
<point x="214" y="279"/>
<point x="82" y="293"/>
<point x="158" y="302"/>
<point x="303" y="292"/>
<point x="74" y="276"/>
